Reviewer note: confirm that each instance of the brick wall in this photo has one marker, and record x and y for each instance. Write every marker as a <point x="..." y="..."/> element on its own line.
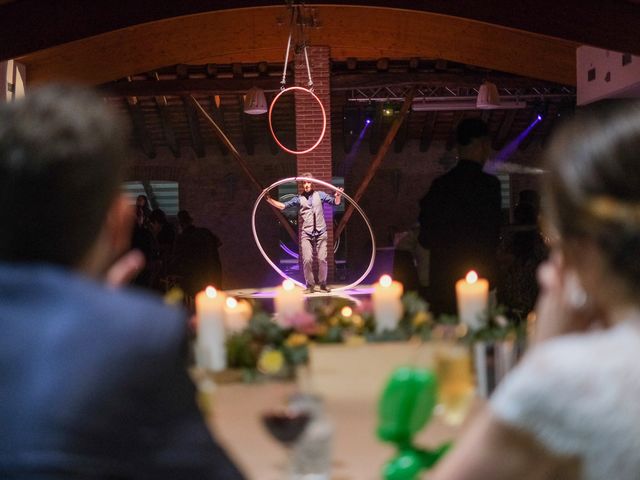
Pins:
<point x="309" y="127"/>
<point x="217" y="194"/>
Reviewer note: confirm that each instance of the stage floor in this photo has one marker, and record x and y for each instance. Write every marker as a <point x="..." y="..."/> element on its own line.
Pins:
<point x="354" y="294"/>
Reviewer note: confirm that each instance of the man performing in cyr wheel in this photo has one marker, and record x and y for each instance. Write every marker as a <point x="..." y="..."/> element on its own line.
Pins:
<point x="313" y="238"/>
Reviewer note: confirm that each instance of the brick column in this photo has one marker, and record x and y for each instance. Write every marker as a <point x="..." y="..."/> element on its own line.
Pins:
<point x="309" y="127"/>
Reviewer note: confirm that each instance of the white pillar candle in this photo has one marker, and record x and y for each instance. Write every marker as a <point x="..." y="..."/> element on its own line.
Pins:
<point x="210" y="344"/>
<point x="387" y="303"/>
<point x="472" y="294"/>
<point x="236" y="314"/>
<point x="288" y="302"/>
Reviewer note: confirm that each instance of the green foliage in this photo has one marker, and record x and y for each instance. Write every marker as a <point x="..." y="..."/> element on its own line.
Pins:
<point x="334" y="324"/>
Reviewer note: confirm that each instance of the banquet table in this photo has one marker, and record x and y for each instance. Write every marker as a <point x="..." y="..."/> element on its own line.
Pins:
<point x="350" y="380"/>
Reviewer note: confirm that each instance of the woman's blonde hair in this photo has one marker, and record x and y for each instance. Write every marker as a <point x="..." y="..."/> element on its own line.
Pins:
<point x="593" y="184"/>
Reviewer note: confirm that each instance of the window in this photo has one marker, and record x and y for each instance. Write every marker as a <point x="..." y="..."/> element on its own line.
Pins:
<point x="505" y="190"/>
<point x="165" y="194"/>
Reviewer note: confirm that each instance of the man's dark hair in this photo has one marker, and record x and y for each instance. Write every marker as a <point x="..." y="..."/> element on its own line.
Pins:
<point x="158" y="216"/>
<point x="469" y="129"/>
<point x="184" y="218"/>
<point x="62" y="155"/>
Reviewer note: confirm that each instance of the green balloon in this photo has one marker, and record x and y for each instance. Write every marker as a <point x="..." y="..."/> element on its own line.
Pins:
<point x="406" y="404"/>
<point x="405" y="466"/>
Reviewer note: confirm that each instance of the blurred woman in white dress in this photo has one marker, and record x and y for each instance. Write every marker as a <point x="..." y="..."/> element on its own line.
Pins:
<point x="571" y="409"/>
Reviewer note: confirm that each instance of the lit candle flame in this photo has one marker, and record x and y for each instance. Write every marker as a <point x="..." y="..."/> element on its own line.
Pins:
<point x="346" y="311"/>
<point x="211" y="292"/>
<point x="385" y="281"/>
<point x="472" y="277"/>
<point x="232" y="302"/>
<point x="288" y="285"/>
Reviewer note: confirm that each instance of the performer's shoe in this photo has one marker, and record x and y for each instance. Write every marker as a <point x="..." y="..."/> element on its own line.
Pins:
<point x="310" y="289"/>
<point x="324" y="288"/>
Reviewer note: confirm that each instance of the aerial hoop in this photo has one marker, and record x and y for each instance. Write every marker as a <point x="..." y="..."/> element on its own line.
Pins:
<point x="324" y="120"/>
<point x="336" y="190"/>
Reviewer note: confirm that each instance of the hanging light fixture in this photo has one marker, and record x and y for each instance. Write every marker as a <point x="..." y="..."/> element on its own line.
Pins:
<point x="488" y="97"/>
<point x="255" y="103"/>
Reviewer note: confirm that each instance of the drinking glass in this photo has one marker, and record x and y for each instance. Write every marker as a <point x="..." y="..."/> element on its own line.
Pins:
<point x="305" y="430"/>
<point x="286" y="424"/>
<point x="456" y="386"/>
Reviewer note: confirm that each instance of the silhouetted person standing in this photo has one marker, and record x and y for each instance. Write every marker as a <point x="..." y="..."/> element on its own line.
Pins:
<point x="196" y="260"/>
<point x="460" y="218"/>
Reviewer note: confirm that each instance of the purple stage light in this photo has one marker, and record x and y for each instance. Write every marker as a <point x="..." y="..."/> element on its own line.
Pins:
<point x="503" y="155"/>
<point x="367" y="121"/>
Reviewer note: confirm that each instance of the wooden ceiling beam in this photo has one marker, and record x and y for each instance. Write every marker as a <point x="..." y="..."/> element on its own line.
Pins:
<point x="239" y="86"/>
<point x="402" y="136"/>
<point x="165" y="120"/>
<point x="189" y="86"/>
<point x="194" y="127"/>
<point x="250" y="35"/>
<point x="205" y="86"/>
<point x="30" y="25"/>
<point x="167" y="128"/>
<point x="221" y="135"/>
<point x="218" y="116"/>
<point x="140" y="132"/>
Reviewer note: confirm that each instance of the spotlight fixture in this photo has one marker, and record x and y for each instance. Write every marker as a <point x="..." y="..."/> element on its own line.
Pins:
<point x="540" y="110"/>
<point x="255" y="103"/>
<point x="488" y="97"/>
<point x="369" y="113"/>
<point x="387" y="109"/>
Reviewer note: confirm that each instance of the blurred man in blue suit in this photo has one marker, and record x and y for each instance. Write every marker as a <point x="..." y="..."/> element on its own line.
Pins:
<point x="92" y="378"/>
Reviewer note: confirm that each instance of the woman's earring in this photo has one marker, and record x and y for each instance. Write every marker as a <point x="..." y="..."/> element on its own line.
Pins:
<point x="576" y="296"/>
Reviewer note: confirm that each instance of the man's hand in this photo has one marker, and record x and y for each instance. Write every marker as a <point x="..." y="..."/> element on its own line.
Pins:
<point x="125" y="268"/>
<point x="337" y="197"/>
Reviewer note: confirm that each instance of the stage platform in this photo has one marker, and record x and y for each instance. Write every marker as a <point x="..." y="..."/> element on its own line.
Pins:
<point x="354" y="294"/>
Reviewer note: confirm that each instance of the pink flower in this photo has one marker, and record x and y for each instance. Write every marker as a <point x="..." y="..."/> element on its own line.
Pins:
<point x="302" y="322"/>
<point x="365" y="307"/>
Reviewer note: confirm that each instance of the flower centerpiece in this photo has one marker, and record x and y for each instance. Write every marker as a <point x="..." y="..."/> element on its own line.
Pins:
<point x="271" y="346"/>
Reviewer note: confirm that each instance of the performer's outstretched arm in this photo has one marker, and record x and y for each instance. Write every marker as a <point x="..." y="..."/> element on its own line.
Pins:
<point x="334" y="199"/>
<point x="275" y="203"/>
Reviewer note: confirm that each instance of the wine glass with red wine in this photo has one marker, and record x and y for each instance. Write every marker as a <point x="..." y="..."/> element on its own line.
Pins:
<point x="286" y="424"/>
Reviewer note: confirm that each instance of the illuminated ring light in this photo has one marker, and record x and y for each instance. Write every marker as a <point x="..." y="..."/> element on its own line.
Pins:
<point x="324" y="120"/>
<point x="336" y="190"/>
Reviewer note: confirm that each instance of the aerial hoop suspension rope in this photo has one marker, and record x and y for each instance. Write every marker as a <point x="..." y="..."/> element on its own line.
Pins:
<point x="295" y="15"/>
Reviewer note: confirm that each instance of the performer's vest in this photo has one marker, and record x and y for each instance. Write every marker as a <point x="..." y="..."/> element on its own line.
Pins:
<point x="312" y="214"/>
